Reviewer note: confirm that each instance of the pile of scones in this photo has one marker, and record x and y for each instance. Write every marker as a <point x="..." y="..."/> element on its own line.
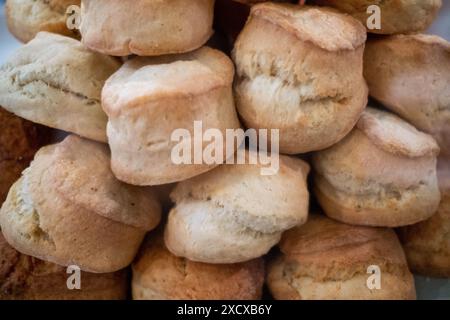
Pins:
<point x="87" y="178"/>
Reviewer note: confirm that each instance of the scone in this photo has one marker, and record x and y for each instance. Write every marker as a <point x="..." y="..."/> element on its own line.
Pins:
<point x="146" y="27"/>
<point x="69" y="209"/>
<point x="382" y="174"/>
<point x="410" y="75"/>
<point x="427" y="244"/>
<point x="328" y="260"/>
<point x="397" y="16"/>
<point x="150" y="99"/>
<point x="26" y="278"/>
<point x="299" y="70"/>
<point x="53" y="80"/>
<point x="25" y="18"/>
<point x="234" y="214"/>
<point x="159" y="275"/>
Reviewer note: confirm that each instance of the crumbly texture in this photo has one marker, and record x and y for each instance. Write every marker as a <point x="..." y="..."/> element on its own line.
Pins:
<point x="328" y="260"/>
<point x="410" y="75"/>
<point x="53" y="80"/>
<point x="234" y="214"/>
<point x="397" y="16"/>
<point x="68" y="209"/>
<point x="149" y="98"/>
<point x="382" y="174"/>
<point x="299" y="70"/>
<point x="159" y="275"/>
<point x="146" y="28"/>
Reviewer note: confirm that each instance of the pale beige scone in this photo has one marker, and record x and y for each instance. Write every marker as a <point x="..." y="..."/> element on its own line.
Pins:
<point x="146" y="27"/>
<point x="53" y="80"/>
<point x="427" y="244"/>
<point x="150" y="99"/>
<point x="397" y="16"/>
<point x="382" y="174"/>
<point x="234" y="214"/>
<point x="159" y="275"/>
<point x="25" y="18"/>
<point x="69" y="209"/>
<point x="299" y="70"/>
<point x="328" y="260"/>
<point x="410" y="75"/>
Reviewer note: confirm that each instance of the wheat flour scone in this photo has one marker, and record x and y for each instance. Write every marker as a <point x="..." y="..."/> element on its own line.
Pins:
<point x="146" y="27"/>
<point x="234" y="214"/>
<point x="53" y="80"/>
<point x="150" y="99"/>
<point x="427" y="244"/>
<point x="328" y="260"/>
<point x="68" y="208"/>
<point x="410" y="75"/>
<point x="382" y="174"/>
<point x="397" y="16"/>
<point x="26" y="278"/>
<point x="299" y="70"/>
<point x="159" y="275"/>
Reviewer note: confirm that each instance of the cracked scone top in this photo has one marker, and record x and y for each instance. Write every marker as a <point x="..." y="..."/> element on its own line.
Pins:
<point x="382" y="174"/>
<point x="328" y="260"/>
<point x="53" y="80"/>
<point x="68" y="208"/>
<point x="299" y="69"/>
<point x="233" y="213"/>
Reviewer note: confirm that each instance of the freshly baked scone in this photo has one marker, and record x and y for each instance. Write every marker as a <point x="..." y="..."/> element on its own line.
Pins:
<point x="149" y="98"/>
<point x="410" y="75"/>
<point x="68" y="208"/>
<point x="25" y="18"/>
<point x="397" y="16"/>
<point x="26" y="278"/>
<point x="427" y="244"/>
<point x="53" y="80"/>
<point x="299" y="69"/>
<point x="233" y="213"/>
<point x="382" y="174"/>
<point x="328" y="260"/>
<point x="146" y="27"/>
<point x="159" y="275"/>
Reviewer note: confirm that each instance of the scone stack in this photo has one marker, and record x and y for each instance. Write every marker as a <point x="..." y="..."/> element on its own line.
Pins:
<point x="109" y="198"/>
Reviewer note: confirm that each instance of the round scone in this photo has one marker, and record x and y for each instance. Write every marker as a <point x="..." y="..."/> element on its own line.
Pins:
<point x="427" y="244"/>
<point x="53" y="80"/>
<point x="299" y="70"/>
<point x="69" y="209"/>
<point x="159" y="275"/>
<point x="25" y="18"/>
<point x="234" y="214"/>
<point x="146" y="27"/>
<point x="328" y="260"/>
<point x="149" y="101"/>
<point x="410" y="75"/>
<point x="382" y="174"/>
<point x="397" y="16"/>
<point x="26" y="278"/>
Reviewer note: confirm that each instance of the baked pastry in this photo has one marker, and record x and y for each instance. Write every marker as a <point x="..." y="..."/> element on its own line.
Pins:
<point x="382" y="174"/>
<point x="68" y="208"/>
<point x="149" y="98"/>
<point x="26" y="278"/>
<point x="328" y="260"/>
<point x="53" y="80"/>
<point x="427" y="244"/>
<point x="410" y="75"/>
<point x="159" y="275"/>
<point x="234" y="214"/>
<point x="397" y="16"/>
<point x="283" y="58"/>
<point x="147" y="27"/>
